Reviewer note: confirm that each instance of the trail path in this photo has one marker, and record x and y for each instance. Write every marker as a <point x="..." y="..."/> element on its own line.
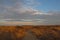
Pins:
<point x="30" y="36"/>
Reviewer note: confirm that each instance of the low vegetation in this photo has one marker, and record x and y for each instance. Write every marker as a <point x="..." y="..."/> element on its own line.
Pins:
<point x="43" y="32"/>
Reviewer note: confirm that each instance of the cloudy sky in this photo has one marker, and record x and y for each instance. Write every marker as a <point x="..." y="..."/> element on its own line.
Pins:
<point x="29" y="12"/>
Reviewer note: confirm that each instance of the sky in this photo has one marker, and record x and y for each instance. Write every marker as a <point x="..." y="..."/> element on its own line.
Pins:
<point x="29" y="12"/>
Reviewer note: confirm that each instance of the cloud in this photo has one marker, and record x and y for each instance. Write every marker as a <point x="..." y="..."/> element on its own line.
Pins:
<point x="29" y="15"/>
<point x="17" y="23"/>
<point x="22" y="12"/>
<point x="16" y="12"/>
<point x="33" y="3"/>
<point x="20" y="9"/>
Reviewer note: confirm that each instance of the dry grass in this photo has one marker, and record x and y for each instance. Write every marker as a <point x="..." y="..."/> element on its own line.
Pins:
<point x="43" y="32"/>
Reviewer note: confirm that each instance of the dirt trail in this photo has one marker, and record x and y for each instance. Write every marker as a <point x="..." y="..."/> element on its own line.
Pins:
<point x="30" y="36"/>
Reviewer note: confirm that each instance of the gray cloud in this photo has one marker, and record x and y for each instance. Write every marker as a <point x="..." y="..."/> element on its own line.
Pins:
<point x="52" y="17"/>
<point x="16" y="9"/>
<point x="20" y="11"/>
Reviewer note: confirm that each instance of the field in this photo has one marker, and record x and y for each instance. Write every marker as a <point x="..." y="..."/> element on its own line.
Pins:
<point x="29" y="32"/>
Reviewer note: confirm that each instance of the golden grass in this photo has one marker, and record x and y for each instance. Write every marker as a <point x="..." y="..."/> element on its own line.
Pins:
<point x="21" y="31"/>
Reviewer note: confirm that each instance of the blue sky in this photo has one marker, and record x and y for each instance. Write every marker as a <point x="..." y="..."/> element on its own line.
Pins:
<point x="49" y="5"/>
<point x="30" y="11"/>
